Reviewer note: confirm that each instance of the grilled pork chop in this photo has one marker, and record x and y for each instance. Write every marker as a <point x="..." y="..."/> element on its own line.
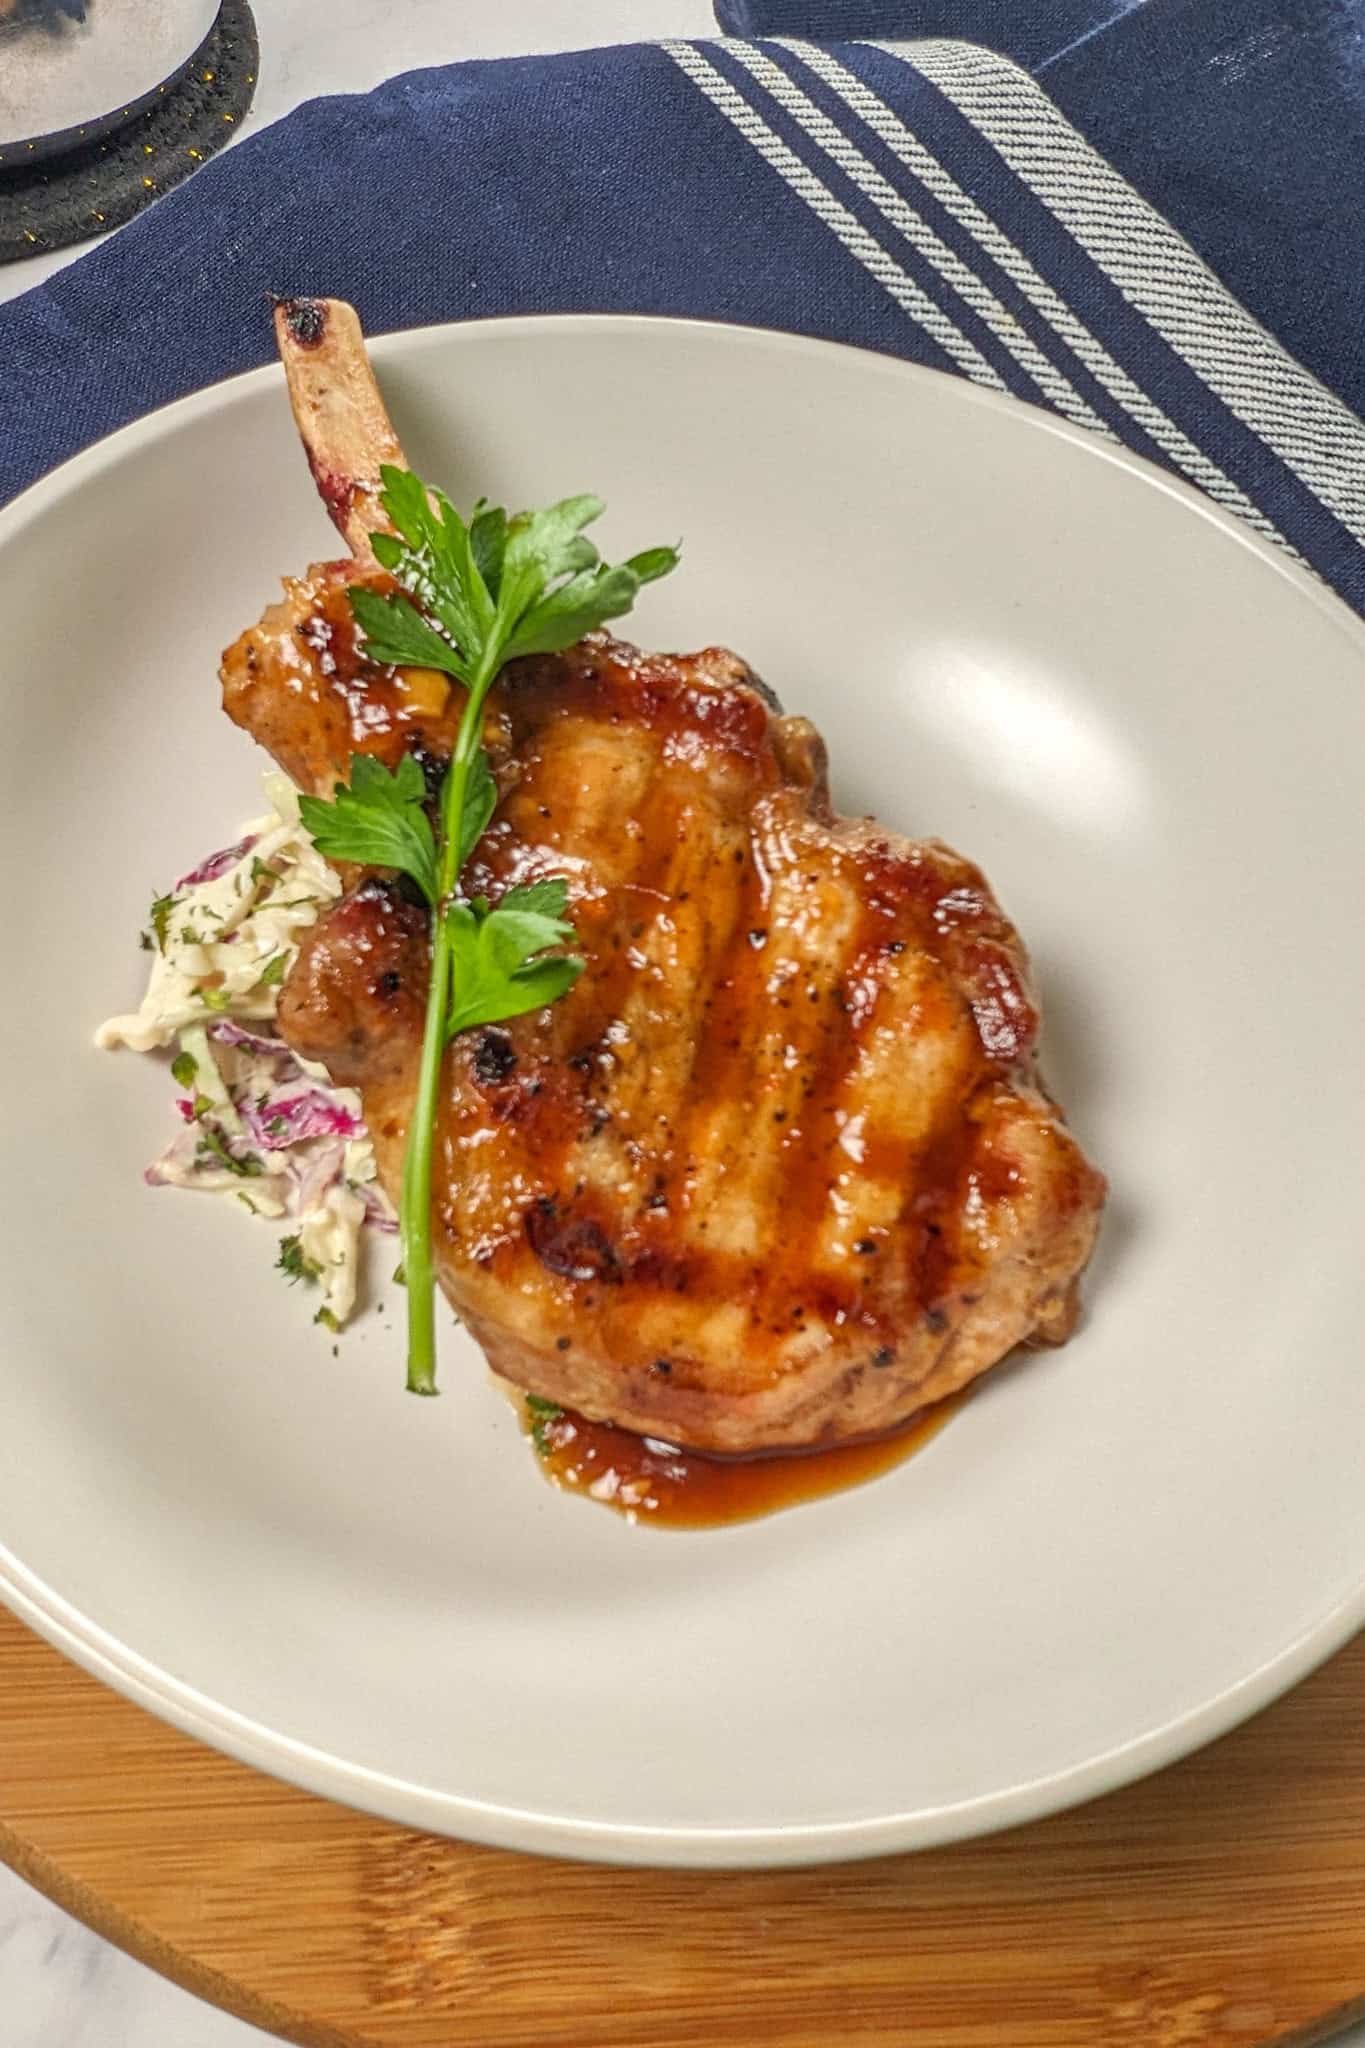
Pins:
<point x="779" y="1170"/>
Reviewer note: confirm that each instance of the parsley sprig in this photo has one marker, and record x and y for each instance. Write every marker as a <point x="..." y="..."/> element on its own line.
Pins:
<point x="473" y="595"/>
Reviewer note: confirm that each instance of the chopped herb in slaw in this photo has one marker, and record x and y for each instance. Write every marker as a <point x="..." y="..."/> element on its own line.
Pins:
<point x="258" y="1125"/>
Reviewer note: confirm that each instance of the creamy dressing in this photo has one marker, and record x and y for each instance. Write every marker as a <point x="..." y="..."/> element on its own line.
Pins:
<point x="259" y="1126"/>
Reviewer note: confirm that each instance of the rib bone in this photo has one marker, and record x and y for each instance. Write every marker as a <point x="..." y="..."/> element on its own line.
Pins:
<point x="345" y="428"/>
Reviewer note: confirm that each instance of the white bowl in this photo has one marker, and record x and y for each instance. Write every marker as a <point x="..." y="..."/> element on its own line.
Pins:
<point x="1147" y="726"/>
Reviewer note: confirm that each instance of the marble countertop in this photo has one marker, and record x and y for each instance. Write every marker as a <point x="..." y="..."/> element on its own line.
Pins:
<point x="61" y="1986"/>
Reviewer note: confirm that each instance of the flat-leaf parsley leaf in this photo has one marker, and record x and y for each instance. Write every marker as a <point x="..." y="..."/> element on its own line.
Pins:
<point x="501" y="959"/>
<point x="377" y="820"/>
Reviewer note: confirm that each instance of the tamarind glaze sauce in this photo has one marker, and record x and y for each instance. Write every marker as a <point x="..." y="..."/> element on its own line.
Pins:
<point x="647" y="1480"/>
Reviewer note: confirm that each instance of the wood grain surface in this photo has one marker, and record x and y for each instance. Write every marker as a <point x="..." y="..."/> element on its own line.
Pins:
<point x="1220" y="1903"/>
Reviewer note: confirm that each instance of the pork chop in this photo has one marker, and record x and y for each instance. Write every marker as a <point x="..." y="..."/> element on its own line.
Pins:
<point x="780" y="1169"/>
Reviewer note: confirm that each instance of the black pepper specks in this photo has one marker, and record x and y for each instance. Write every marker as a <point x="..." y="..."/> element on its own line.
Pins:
<point x="495" y="1057"/>
<point x="885" y="1355"/>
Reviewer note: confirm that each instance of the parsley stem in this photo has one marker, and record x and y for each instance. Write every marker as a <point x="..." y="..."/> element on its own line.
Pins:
<point x="414" y="1214"/>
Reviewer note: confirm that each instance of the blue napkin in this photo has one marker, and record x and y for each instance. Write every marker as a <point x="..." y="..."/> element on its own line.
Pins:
<point x="1242" y="121"/>
<point x="931" y="202"/>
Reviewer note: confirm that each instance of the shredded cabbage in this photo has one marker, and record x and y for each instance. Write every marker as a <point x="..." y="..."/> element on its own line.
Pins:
<point x="258" y="1124"/>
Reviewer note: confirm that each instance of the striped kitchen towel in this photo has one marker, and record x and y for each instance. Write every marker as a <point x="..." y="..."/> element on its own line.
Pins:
<point x="929" y="200"/>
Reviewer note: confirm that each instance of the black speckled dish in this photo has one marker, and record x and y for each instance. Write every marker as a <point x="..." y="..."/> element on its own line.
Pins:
<point x="70" y="188"/>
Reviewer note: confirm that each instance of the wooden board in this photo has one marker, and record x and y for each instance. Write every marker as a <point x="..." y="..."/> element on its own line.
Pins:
<point x="1220" y="1905"/>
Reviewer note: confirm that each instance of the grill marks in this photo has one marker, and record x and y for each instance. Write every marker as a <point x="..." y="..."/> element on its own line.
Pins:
<point x="784" y="1131"/>
<point x="764" y="1064"/>
<point x="669" y="930"/>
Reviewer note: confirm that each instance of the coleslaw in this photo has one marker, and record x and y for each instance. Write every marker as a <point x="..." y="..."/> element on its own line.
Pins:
<point x="259" y="1126"/>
